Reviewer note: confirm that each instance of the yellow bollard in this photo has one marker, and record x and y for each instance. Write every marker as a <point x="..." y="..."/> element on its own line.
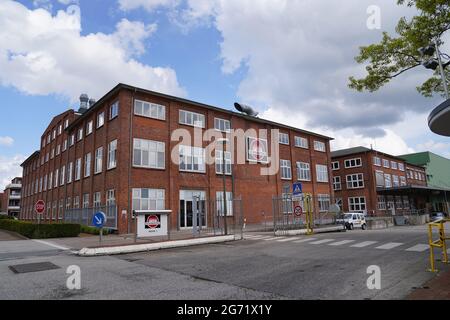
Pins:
<point x="440" y="243"/>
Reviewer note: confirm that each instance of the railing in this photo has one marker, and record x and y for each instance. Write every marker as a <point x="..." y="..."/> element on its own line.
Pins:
<point x="439" y="243"/>
<point x="84" y="216"/>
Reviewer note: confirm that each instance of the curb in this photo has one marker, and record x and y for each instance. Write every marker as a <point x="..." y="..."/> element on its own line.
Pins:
<point x="303" y="231"/>
<point x="92" y="252"/>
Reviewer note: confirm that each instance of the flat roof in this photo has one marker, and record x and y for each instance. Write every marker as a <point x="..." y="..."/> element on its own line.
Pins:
<point x="413" y="187"/>
<point x="122" y="86"/>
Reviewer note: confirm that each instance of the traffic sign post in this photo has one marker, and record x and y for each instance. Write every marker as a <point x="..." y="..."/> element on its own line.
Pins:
<point x="98" y="221"/>
<point x="39" y="208"/>
<point x="297" y="189"/>
<point x="298" y="211"/>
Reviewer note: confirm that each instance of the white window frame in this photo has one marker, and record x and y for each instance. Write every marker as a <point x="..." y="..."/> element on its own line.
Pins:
<point x="112" y="154"/>
<point x="301" y="142"/>
<point x="89" y="127"/>
<point x="320" y="146"/>
<point x="62" y="178"/>
<point x="87" y="164"/>
<point x="337" y="183"/>
<point x="401" y="166"/>
<point x="386" y="163"/>
<point x="97" y="201"/>
<point x="222" y="125"/>
<point x="220" y="203"/>
<point x="377" y="161"/>
<point x="394" y="165"/>
<point x="303" y="171"/>
<point x="69" y="172"/>
<point x="387" y="180"/>
<point x="355" y="181"/>
<point x="155" y="111"/>
<point x="251" y="157"/>
<point x="114" y="110"/>
<point x="286" y="169"/>
<point x="98" y="167"/>
<point x="283" y="138"/>
<point x="153" y="149"/>
<point x="335" y="165"/>
<point x="78" y="165"/>
<point x="219" y="162"/>
<point x="187" y="118"/>
<point x="100" y="119"/>
<point x="193" y="156"/>
<point x="395" y="181"/>
<point x="353" y="163"/>
<point x="324" y="202"/>
<point x="154" y="201"/>
<point x="357" y="206"/>
<point x="321" y="173"/>
<point x="80" y="134"/>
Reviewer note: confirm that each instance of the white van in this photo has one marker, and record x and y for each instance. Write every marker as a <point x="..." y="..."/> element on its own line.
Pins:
<point x="355" y="220"/>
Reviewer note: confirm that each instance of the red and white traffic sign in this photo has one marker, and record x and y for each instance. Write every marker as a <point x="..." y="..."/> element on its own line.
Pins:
<point x="153" y="222"/>
<point x="298" y="211"/>
<point x="39" y="207"/>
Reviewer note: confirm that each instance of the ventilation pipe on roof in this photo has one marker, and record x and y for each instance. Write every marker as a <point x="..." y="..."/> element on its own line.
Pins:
<point x="84" y="103"/>
<point x="92" y="102"/>
<point x="246" y="109"/>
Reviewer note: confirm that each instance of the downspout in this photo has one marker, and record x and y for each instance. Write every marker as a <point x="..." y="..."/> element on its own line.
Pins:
<point x="129" y="165"/>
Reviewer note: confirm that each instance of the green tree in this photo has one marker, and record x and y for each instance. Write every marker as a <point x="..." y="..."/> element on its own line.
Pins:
<point x="395" y="55"/>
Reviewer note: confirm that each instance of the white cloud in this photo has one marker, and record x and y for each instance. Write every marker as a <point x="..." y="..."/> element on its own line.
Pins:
<point x="43" y="54"/>
<point x="298" y="55"/>
<point x="9" y="169"/>
<point x="6" y="141"/>
<point x="148" y="5"/>
<point x="441" y="148"/>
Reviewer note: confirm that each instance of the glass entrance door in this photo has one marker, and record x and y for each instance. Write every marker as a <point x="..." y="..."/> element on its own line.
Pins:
<point x="187" y="207"/>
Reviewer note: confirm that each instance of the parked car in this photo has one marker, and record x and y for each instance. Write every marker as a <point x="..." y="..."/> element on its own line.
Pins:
<point x="436" y="216"/>
<point x="354" y="220"/>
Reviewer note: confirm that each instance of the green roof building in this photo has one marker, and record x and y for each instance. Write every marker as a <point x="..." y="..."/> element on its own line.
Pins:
<point x="438" y="175"/>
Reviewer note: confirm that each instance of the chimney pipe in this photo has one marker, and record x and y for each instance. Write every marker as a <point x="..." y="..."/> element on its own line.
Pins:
<point x="92" y="102"/>
<point x="84" y="100"/>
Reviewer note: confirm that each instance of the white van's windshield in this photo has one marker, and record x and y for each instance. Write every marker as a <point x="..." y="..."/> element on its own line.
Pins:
<point x="348" y="216"/>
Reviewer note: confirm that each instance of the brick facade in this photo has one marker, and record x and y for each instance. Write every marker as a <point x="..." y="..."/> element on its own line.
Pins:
<point x="255" y="190"/>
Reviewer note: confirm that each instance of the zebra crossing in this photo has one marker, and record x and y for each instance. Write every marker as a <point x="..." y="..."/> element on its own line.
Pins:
<point x="340" y="243"/>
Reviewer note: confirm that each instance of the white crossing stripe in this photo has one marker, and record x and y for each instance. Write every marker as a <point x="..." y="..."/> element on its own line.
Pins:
<point x="274" y="238"/>
<point x="260" y="238"/>
<point x="50" y="244"/>
<point x="419" y="248"/>
<point x="390" y="245"/>
<point x="364" y="244"/>
<point x="305" y="240"/>
<point x="341" y="243"/>
<point x="253" y="237"/>
<point x="322" y="241"/>
<point x="289" y="239"/>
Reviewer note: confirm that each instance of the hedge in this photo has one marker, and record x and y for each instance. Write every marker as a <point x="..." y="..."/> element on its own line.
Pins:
<point x="94" y="231"/>
<point x="5" y="217"/>
<point x="41" y="231"/>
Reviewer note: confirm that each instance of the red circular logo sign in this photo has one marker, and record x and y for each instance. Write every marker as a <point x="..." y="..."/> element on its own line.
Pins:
<point x="40" y="206"/>
<point x="258" y="150"/>
<point x="298" y="211"/>
<point x="152" y="222"/>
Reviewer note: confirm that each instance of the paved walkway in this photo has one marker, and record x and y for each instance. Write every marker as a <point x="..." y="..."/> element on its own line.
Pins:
<point x="435" y="289"/>
<point x="9" y="236"/>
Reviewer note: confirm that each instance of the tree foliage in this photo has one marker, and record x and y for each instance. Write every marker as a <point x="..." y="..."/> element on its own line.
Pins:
<point x="395" y="55"/>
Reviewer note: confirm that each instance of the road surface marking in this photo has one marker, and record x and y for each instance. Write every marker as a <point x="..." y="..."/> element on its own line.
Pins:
<point x="364" y="244"/>
<point x="322" y="241"/>
<point x="51" y="245"/>
<point x="389" y="246"/>
<point x="419" y="248"/>
<point x="274" y="238"/>
<point x="305" y="240"/>
<point x="259" y="238"/>
<point x="341" y="243"/>
<point x="288" y="239"/>
<point x="253" y="237"/>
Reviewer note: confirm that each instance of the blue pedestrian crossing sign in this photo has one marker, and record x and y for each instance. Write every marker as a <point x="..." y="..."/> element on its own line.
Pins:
<point x="99" y="220"/>
<point x="297" y="189"/>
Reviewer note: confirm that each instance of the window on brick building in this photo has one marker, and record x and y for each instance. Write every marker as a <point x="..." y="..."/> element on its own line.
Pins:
<point x="353" y="163"/>
<point x="78" y="169"/>
<point x="357" y="204"/>
<point x="150" y="110"/>
<point x="87" y="165"/>
<point x="324" y="202"/>
<point x="301" y="142"/>
<point x="98" y="160"/>
<point x="322" y="173"/>
<point x="319" y="146"/>
<point x="222" y="125"/>
<point x="148" y="199"/>
<point x="284" y="138"/>
<point x="303" y="171"/>
<point x="149" y="154"/>
<point x="89" y="127"/>
<point x="192" y="119"/>
<point x="355" y="181"/>
<point x="192" y="159"/>
<point x="114" y="110"/>
<point x="219" y="162"/>
<point x="337" y="184"/>
<point x="286" y="169"/>
<point x="100" y="119"/>
<point x="112" y="154"/>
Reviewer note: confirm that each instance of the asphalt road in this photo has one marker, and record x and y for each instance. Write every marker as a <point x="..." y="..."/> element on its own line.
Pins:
<point x="331" y="266"/>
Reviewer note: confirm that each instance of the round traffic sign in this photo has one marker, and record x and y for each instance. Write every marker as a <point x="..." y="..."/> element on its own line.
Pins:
<point x="298" y="210"/>
<point x="39" y="207"/>
<point x="152" y="222"/>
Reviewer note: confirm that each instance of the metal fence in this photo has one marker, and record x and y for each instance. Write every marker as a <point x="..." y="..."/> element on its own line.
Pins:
<point x="84" y="216"/>
<point x="206" y="218"/>
<point x="287" y="217"/>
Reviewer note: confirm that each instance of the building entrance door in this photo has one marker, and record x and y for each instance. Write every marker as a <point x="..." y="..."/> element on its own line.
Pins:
<point x="191" y="200"/>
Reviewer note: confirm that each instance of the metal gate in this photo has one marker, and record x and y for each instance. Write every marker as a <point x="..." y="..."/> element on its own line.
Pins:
<point x="290" y="213"/>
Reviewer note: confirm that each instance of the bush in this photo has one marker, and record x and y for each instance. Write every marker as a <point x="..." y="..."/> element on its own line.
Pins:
<point x="41" y="231"/>
<point x="5" y="217"/>
<point x="94" y="231"/>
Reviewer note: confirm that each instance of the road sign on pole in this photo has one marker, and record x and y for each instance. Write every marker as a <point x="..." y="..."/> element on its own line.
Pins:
<point x="297" y="189"/>
<point x="39" y="207"/>
<point x="298" y="211"/>
<point x="98" y="221"/>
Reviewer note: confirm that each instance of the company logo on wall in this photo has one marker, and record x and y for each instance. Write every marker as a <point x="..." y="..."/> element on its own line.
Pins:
<point x="152" y="221"/>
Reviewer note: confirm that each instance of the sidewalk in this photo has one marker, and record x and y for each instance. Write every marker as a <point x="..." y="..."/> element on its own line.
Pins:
<point x="437" y="288"/>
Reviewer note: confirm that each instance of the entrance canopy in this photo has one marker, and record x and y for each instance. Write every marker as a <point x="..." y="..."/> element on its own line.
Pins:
<point x="439" y="119"/>
<point x="418" y="190"/>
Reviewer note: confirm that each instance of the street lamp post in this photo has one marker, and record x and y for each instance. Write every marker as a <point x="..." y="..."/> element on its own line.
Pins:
<point x="224" y="142"/>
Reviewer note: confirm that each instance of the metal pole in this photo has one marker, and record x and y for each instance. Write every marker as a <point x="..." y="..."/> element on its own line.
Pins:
<point x="441" y="67"/>
<point x="224" y="188"/>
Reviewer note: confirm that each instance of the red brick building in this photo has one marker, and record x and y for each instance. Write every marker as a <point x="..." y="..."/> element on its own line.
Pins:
<point x="117" y="152"/>
<point x="369" y="181"/>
